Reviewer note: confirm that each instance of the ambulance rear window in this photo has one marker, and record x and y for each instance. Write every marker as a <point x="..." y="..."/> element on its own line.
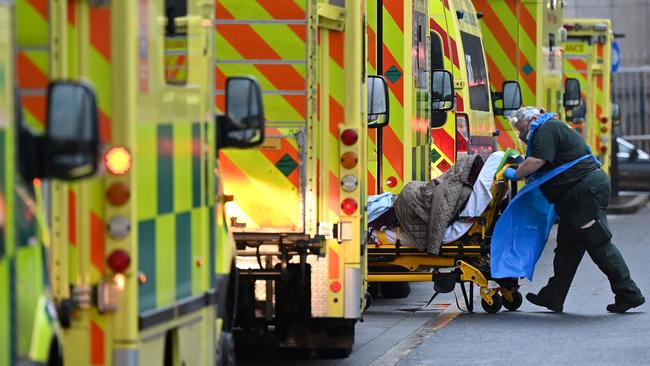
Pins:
<point x="476" y="73"/>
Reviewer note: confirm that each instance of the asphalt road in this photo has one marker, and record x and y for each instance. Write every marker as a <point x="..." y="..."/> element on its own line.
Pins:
<point x="585" y="334"/>
<point x="402" y="332"/>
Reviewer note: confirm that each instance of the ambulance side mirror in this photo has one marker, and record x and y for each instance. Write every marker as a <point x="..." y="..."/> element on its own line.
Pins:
<point x="243" y="124"/>
<point x="442" y="91"/>
<point x="616" y="114"/>
<point x="572" y="93"/>
<point x="378" y="106"/>
<point x="71" y="146"/>
<point x="510" y="97"/>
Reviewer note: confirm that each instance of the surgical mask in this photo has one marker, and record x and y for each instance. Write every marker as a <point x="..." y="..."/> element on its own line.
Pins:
<point x="523" y="136"/>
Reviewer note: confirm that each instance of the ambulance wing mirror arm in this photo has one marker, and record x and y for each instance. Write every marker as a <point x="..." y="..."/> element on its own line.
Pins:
<point x="442" y="91"/>
<point x="572" y="93"/>
<point x="243" y="124"/>
<point x="378" y="105"/>
<point x="510" y="98"/>
<point x="578" y="113"/>
<point x="71" y="145"/>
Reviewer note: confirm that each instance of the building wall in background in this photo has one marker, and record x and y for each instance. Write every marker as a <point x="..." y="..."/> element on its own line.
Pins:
<point x="631" y="17"/>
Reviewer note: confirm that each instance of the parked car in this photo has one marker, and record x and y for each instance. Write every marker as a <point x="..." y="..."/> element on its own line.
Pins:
<point x="633" y="167"/>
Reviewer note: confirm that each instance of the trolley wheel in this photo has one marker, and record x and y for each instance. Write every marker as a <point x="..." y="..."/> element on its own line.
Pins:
<point x="496" y="304"/>
<point x="395" y="290"/>
<point x="517" y="300"/>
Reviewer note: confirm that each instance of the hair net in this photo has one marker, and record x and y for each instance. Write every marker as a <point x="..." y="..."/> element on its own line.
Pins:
<point x="525" y="114"/>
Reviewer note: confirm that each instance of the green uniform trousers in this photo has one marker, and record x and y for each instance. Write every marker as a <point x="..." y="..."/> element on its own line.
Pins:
<point x="583" y="227"/>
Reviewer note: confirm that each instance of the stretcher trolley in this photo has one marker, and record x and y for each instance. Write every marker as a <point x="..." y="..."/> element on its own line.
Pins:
<point x="464" y="256"/>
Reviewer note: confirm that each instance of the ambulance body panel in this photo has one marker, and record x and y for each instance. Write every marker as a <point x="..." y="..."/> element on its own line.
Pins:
<point x="292" y="197"/>
<point x="587" y="57"/>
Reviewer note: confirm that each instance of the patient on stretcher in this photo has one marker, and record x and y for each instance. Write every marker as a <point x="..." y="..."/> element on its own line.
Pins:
<point x="429" y="214"/>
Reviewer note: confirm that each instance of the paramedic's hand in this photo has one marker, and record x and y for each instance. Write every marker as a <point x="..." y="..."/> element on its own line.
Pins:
<point x="510" y="174"/>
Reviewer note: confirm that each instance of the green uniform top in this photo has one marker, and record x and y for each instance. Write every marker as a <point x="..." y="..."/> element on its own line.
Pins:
<point x="558" y="144"/>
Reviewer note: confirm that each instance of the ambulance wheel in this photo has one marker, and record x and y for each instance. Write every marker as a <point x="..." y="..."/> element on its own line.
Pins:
<point x="395" y="290"/>
<point x="368" y="301"/>
<point x="332" y="353"/>
<point x="373" y="289"/>
<point x="496" y="304"/>
<point x="517" y="300"/>
<point x="226" y="351"/>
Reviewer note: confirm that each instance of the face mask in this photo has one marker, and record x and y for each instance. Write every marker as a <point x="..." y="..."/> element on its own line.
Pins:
<point x="523" y="136"/>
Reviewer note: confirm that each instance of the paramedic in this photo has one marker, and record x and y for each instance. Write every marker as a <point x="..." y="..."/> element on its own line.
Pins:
<point x="581" y="195"/>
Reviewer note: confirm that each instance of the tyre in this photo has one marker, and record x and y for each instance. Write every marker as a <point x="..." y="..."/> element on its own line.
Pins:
<point x="226" y="351"/>
<point x="395" y="290"/>
<point x="517" y="300"/>
<point x="368" y="301"/>
<point x="496" y="304"/>
<point x="373" y="289"/>
<point x="332" y="353"/>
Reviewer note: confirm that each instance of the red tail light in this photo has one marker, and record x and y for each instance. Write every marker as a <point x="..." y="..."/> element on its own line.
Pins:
<point x="335" y="286"/>
<point x="119" y="261"/>
<point x="391" y="182"/>
<point x="349" y="206"/>
<point x="603" y="149"/>
<point x="349" y="137"/>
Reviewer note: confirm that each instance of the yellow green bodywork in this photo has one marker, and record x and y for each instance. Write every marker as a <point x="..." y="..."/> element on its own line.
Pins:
<point x="587" y="57"/>
<point x="155" y="99"/>
<point x="523" y="42"/>
<point x="26" y="321"/>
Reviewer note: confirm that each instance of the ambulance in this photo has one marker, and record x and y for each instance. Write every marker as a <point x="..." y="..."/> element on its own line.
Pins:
<point x="137" y="247"/>
<point x="412" y="43"/>
<point x="432" y="54"/>
<point x="524" y="42"/>
<point x="587" y="58"/>
<point x="297" y="202"/>
<point x="28" y="325"/>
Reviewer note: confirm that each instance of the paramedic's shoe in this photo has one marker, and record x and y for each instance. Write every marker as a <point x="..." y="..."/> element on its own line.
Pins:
<point x="623" y="307"/>
<point x="540" y="301"/>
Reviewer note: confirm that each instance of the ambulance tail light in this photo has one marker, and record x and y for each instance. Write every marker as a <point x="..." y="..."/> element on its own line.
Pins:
<point x="118" y="160"/>
<point x="349" y="206"/>
<point x="349" y="160"/>
<point x="336" y="286"/>
<point x="118" y="194"/>
<point x="349" y="137"/>
<point x="462" y="133"/>
<point x="119" y="261"/>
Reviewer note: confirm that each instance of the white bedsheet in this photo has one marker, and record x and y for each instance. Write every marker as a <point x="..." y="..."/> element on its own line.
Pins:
<point x="477" y="202"/>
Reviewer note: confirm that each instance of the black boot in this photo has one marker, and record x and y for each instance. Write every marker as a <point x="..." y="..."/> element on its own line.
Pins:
<point x="625" y="306"/>
<point x="540" y="301"/>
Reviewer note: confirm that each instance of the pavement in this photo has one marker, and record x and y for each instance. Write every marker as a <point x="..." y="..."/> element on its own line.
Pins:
<point x="627" y="204"/>
<point x="401" y="332"/>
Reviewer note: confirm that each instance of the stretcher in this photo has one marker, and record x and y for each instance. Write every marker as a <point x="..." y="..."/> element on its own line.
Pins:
<point x="464" y="256"/>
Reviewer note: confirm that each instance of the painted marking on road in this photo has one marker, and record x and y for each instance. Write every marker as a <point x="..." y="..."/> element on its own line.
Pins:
<point x="407" y="345"/>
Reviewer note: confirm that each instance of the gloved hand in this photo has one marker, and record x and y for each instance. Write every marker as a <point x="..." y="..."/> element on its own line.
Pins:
<point x="510" y="174"/>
